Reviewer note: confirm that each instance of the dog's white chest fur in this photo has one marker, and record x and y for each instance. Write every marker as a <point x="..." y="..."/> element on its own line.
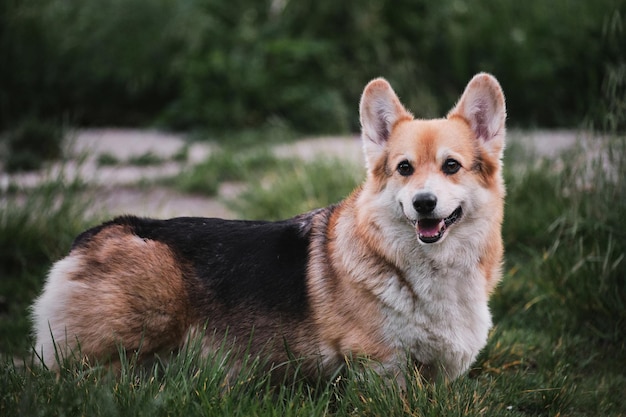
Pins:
<point x="442" y="320"/>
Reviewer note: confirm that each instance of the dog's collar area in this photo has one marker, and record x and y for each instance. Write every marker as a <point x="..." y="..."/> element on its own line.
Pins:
<point x="432" y="230"/>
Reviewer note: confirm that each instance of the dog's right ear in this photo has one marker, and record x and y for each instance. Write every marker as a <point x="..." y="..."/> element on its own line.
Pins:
<point x="380" y="111"/>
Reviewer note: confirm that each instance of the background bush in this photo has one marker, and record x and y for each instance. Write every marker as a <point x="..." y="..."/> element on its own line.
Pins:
<point x="249" y="63"/>
<point x="31" y="144"/>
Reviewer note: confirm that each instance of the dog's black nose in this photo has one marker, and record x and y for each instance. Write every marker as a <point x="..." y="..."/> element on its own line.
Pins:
<point x="424" y="203"/>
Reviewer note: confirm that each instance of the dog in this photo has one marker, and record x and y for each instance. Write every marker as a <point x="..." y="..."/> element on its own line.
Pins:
<point x="402" y="268"/>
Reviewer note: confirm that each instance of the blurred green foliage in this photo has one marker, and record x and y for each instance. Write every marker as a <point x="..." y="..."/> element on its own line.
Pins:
<point x="248" y="63"/>
<point x="30" y="144"/>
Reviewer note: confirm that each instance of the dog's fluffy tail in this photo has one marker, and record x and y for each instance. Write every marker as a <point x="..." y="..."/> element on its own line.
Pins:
<point x="120" y="291"/>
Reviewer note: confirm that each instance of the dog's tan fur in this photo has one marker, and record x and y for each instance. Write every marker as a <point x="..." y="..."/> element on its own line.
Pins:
<point x="119" y="289"/>
<point x="372" y="288"/>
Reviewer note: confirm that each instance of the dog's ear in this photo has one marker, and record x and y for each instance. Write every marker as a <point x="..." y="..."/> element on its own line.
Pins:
<point x="482" y="106"/>
<point x="380" y="110"/>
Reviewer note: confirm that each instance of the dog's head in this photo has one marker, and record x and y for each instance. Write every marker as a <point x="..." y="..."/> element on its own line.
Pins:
<point x="437" y="174"/>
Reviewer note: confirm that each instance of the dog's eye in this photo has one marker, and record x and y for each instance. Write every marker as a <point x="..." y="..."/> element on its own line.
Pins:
<point x="404" y="168"/>
<point x="451" y="166"/>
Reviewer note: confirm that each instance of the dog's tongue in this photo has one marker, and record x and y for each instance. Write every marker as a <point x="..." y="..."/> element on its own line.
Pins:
<point x="430" y="227"/>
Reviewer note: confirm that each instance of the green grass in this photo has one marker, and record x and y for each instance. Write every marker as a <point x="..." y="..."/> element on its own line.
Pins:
<point x="295" y="187"/>
<point x="146" y="159"/>
<point x="107" y="159"/>
<point x="35" y="227"/>
<point x="224" y="165"/>
<point x="557" y="346"/>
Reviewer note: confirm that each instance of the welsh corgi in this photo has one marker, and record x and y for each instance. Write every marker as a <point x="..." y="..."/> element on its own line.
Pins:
<point x="402" y="268"/>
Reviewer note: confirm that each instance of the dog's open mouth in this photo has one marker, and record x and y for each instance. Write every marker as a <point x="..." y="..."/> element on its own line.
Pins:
<point x="431" y="230"/>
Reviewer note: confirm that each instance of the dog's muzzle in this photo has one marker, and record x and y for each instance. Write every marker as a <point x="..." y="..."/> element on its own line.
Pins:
<point x="431" y="229"/>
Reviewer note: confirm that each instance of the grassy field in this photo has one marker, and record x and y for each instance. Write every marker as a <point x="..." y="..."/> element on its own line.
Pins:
<point x="557" y="347"/>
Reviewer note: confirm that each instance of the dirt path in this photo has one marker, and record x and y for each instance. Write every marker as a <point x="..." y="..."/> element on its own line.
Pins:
<point x="119" y="187"/>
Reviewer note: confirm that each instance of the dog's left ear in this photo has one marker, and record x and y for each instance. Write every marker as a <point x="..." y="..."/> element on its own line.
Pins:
<point x="482" y="106"/>
<point x="380" y="111"/>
